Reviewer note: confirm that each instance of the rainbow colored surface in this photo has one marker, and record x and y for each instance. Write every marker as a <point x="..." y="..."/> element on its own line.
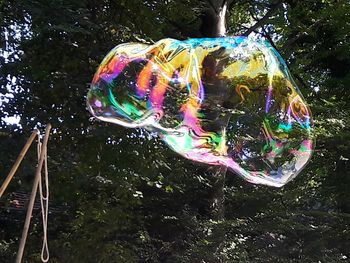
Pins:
<point x="222" y="101"/>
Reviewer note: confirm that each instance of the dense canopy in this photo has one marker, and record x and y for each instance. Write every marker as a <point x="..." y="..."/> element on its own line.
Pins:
<point x="120" y="195"/>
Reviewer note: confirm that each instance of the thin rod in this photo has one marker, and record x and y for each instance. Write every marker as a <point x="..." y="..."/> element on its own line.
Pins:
<point x="18" y="162"/>
<point x="33" y="195"/>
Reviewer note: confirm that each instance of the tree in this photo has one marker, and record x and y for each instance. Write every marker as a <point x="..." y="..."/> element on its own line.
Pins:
<point x="120" y="195"/>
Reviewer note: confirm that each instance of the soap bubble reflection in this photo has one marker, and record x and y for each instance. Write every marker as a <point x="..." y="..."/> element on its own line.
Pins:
<point x="222" y="101"/>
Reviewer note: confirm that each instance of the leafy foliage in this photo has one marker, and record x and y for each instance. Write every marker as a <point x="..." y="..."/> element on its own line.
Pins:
<point x="124" y="197"/>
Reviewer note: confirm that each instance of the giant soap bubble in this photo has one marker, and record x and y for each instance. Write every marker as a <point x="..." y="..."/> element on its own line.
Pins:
<point x="221" y="101"/>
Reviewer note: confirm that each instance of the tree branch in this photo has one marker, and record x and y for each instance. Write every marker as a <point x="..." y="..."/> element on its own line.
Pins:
<point x="274" y="8"/>
<point x="291" y="41"/>
<point x="268" y="37"/>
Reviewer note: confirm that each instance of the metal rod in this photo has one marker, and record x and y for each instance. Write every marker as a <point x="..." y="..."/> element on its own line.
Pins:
<point x="18" y="162"/>
<point x="43" y="153"/>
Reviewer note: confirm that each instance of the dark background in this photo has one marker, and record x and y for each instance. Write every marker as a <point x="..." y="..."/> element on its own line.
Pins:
<point x="119" y="195"/>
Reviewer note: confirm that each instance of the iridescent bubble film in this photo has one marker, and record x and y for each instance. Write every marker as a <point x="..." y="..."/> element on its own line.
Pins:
<point x="222" y="101"/>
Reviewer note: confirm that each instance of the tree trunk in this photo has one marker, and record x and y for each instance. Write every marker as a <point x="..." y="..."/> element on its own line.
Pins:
<point x="214" y="25"/>
<point x="214" y="18"/>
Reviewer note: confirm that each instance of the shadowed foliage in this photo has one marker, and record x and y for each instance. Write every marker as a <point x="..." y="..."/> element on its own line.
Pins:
<point x="121" y="195"/>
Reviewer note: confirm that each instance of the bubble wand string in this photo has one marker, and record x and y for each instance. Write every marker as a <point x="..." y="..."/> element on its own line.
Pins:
<point x="43" y="153"/>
